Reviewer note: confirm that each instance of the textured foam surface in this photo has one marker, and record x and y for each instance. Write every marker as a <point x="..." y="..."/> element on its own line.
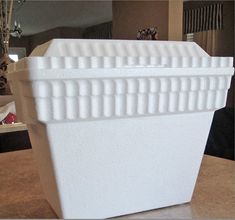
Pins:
<point x="118" y="127"/>
<point x="99" y="79"/>
<point x="93" y="99"/>
<point x="98" y="48"/>
<point x="121" y="62"/>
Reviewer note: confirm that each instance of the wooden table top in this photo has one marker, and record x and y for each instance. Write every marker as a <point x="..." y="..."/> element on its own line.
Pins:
<point x="21" y="195"/>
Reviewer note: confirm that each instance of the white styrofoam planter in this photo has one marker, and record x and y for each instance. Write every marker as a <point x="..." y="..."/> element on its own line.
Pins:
<point x="118" y="127"/>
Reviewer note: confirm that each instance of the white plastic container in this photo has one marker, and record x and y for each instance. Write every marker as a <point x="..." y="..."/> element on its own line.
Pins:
<point x="118" y="127"/>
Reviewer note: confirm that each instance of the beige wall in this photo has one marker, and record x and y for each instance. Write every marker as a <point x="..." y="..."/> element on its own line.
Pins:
<point x="130" y="16"/>
<point x="175" y="20"/>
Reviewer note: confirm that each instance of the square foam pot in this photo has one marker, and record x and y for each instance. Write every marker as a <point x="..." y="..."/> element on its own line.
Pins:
<point x="118" y="127"/>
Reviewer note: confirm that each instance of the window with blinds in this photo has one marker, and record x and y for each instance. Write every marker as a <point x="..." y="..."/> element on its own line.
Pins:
<point x="204" y="18"/>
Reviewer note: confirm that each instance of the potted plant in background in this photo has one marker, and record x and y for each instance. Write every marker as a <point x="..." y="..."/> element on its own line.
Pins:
<point x="6" y="9"/>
